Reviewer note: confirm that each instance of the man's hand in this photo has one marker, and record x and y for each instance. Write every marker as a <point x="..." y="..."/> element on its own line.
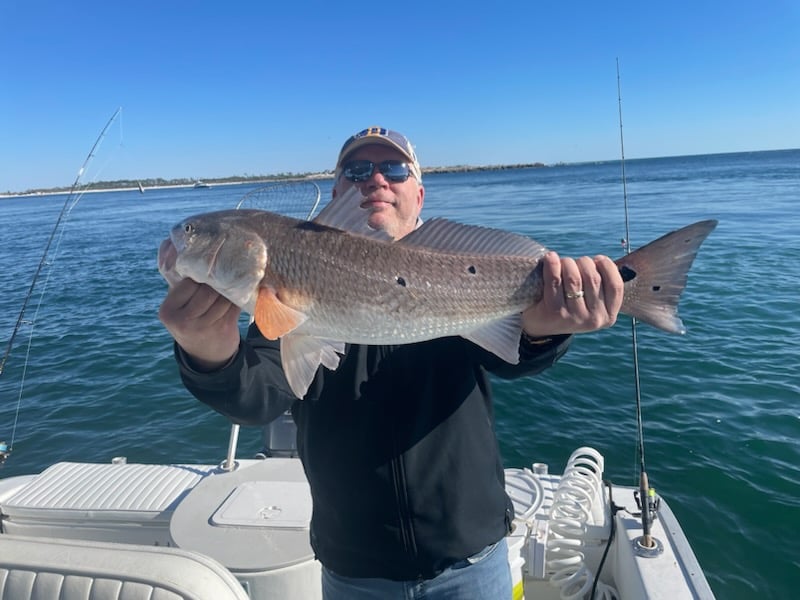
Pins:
<point x="579" y="296"/>
<point x="203" y="322"/>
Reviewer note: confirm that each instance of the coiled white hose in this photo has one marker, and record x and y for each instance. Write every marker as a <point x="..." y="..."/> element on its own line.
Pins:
<point x="574" y="503"/>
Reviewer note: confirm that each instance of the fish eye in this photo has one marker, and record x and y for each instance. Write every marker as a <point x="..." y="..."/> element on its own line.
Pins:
<point x="188" y="228"/>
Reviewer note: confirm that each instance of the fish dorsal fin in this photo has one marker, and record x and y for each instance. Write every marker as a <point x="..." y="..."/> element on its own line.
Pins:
<point x="345" y="213"/>
<point x="301" y="356"/>
<point x="448" y="236"/>
<point x="499" y="337"/>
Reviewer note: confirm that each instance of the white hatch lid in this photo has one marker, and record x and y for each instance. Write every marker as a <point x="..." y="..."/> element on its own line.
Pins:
<point x="253" y="519"/>
<point x="280" y="504"/>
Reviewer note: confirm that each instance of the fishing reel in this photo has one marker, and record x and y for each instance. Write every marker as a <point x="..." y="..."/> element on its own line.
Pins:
<point x="5" y="451"/>
<point x="653" y="504"/>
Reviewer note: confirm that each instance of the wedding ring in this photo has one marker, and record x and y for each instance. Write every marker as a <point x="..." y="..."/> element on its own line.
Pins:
<point x="574" y="295"/>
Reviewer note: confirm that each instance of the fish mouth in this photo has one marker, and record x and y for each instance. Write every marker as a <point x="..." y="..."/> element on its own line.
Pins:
<point x="167" y="257"/>
<point x="178" y="238"/>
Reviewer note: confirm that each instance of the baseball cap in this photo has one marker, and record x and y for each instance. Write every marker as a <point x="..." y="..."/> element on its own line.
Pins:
<point x="385" y="137"/>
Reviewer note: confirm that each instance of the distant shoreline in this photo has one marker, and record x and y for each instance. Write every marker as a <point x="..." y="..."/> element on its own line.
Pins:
<point x="135" y="188"/>
<point x="133" y="185"/>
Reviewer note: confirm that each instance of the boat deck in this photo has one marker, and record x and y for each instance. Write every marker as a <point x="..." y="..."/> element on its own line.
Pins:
<point x="253" y="522"/>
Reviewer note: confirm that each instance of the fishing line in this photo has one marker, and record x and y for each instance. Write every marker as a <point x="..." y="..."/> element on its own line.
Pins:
<point x="627" y="244"/>
<point x="57" y="234"/>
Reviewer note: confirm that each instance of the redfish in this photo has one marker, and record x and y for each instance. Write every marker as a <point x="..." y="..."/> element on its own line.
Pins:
<point x="317" y="287"/>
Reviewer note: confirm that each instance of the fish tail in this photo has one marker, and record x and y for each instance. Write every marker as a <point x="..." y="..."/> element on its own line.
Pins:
<point x="655" y="276"/>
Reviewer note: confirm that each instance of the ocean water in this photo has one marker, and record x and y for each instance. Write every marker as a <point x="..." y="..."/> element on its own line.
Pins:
<point x="720" y="405"/>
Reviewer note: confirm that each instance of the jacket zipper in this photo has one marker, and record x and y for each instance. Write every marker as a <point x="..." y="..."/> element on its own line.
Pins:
<point x="403" y="512"/>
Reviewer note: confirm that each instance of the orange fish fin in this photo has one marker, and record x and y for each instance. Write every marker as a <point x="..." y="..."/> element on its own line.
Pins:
<point x="273" y="317"/>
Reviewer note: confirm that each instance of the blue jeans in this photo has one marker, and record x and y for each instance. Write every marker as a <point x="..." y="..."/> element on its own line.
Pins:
<point x="484" y="576"/>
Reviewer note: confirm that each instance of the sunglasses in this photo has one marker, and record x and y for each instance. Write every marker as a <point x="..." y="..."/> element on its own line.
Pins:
<point x="356" y="171"/>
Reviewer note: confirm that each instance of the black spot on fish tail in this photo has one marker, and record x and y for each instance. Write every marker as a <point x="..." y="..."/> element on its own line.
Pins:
<point x="472" y="269"/>
<point x="400" y="280"/>
<point x="627" y="273"/>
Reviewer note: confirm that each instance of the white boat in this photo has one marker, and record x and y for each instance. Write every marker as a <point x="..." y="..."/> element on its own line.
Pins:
<point x="126" y="530"/>
<point x="201" y="184"/>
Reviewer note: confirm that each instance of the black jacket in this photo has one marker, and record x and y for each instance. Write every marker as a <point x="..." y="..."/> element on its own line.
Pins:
<point x="398" y="446"/>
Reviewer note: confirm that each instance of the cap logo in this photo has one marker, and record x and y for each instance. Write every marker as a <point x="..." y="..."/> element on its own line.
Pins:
<point x="372" y="131"/>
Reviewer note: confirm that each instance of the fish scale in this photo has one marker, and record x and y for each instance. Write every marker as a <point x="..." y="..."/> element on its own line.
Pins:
<point x="372" y="292"/>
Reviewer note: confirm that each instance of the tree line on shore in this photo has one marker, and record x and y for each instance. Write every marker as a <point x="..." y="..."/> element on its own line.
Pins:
<point x="161" y="182"/>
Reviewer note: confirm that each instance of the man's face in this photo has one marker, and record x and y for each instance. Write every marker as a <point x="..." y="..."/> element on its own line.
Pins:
<point x="393" y="206"/>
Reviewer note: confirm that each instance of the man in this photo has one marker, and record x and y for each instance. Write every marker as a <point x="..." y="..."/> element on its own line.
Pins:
<point x="398" y="443"/>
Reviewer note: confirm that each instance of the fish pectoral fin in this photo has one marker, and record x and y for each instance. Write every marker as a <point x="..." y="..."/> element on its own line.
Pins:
<point x="273" y="317"/>
<point x="499" y="337"/>
<point x="301" y="356"/>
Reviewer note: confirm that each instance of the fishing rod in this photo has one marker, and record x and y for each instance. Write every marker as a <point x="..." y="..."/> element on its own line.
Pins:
<point x="647" y="497"/>
<point x="69" y="204"/>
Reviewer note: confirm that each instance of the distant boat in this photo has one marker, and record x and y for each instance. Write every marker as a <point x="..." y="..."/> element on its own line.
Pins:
<point x="200" y="184"/>
<point x="141" y="189"/>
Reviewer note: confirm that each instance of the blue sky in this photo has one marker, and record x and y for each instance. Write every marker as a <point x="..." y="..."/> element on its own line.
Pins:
<point x="212" y="89"/>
